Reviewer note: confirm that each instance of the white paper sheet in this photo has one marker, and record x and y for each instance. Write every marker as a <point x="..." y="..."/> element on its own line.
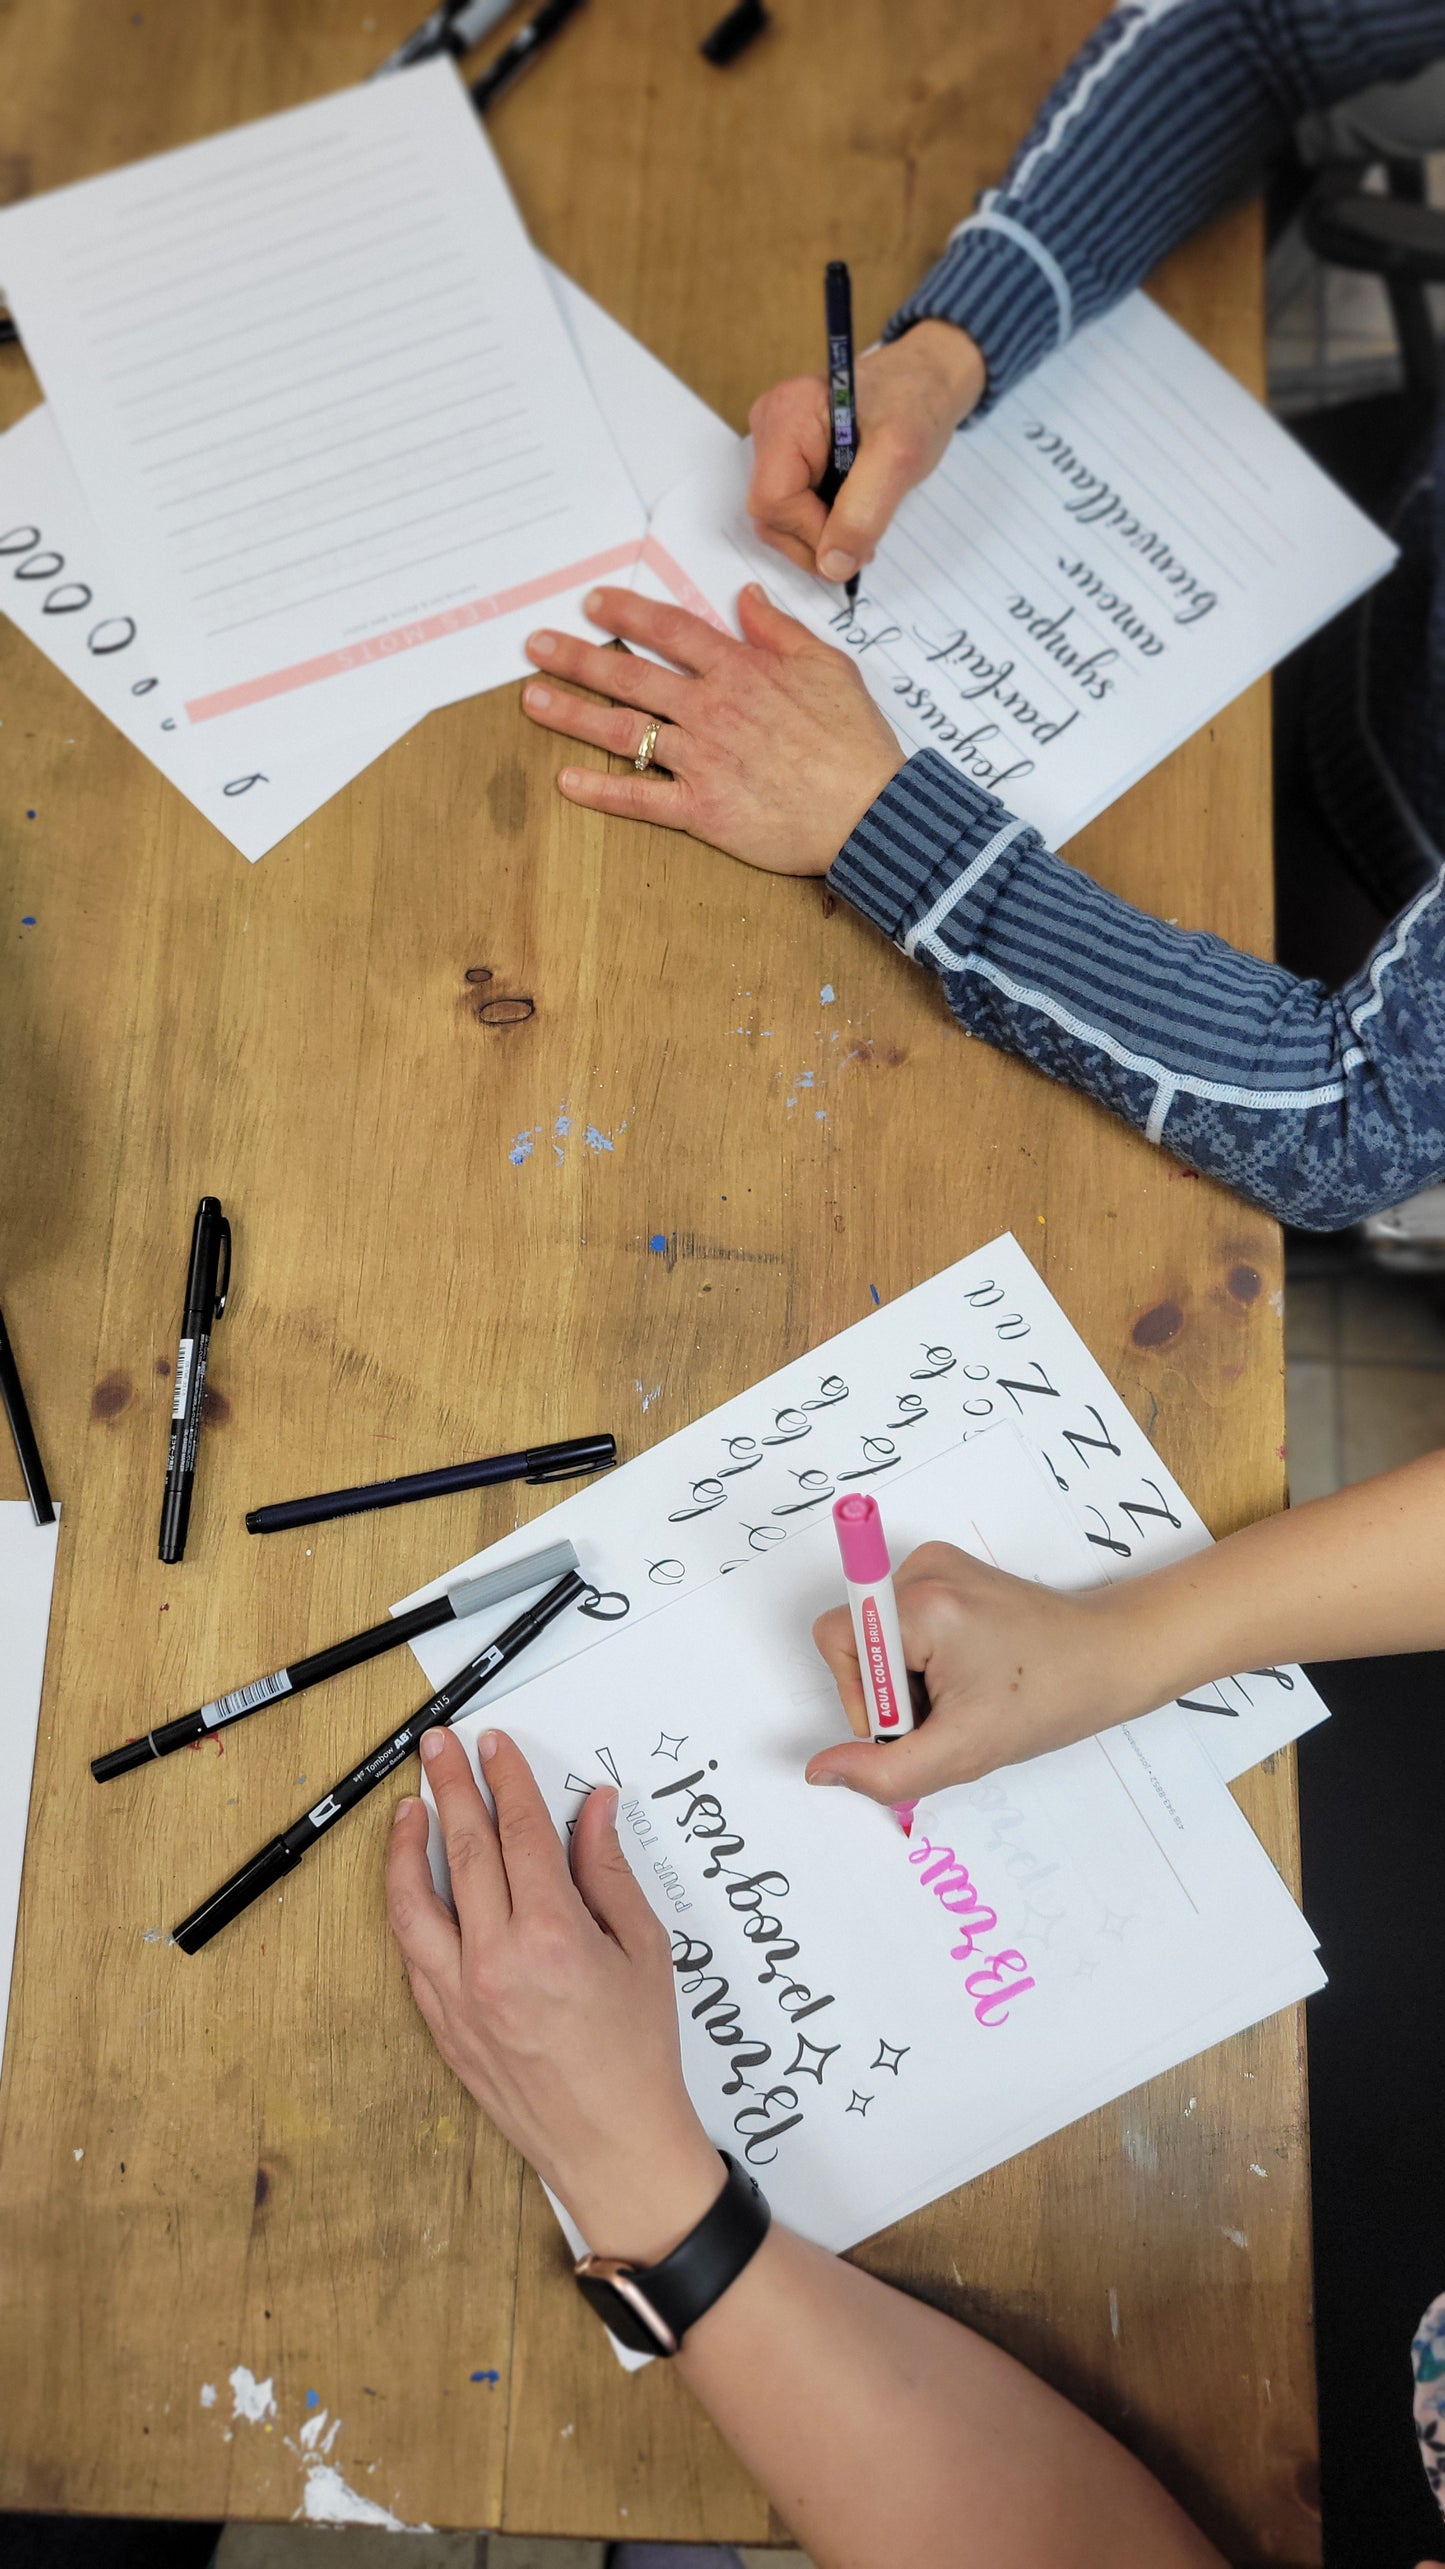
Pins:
<point x="864" y="2030"/>
<point x="58" y="584"/>
<point x="27" y="1575"/>
<point x="320" y="399"/>
<point x="983" y="1341"/>
<point x="1095" y="568"/>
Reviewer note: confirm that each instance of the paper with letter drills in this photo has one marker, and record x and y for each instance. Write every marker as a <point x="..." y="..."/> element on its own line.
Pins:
<point x="983" y="1341"/>
<point x="58" y="584"/>
<point x="320" y="398"/>
<point x="1092" y="571"/>
<point x="869" y="2019"/>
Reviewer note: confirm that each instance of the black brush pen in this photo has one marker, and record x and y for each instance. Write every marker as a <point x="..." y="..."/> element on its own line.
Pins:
<point x="207" y="1285"/>
<point x="468" y="1597"/>
<point x="37" y="1488"/>
<point x="282" y="1856"/>
<point x="842" y="397"/>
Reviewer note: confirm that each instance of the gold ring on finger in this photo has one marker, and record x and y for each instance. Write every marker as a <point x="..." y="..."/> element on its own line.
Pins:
<point x="647" y="747"/>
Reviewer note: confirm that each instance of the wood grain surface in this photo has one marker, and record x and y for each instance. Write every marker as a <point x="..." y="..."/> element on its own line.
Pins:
<point x="254" y="2158"/>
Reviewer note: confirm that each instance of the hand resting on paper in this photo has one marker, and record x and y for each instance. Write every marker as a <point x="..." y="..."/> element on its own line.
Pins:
<point x="770" y="748"/>
<point x="550" y="1995"/>
<point x="912" y="396"/>
<point x="881" y="2429"/>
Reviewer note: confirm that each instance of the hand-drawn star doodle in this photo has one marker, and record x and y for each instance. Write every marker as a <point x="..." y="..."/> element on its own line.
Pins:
<point x="668" y="1746"/>
<point x="800" y="2066"/>
<point x="859" y="2104"/>
<point x="1086" y="1966"/>
<point x="889" y="2056"/>
<point x="1114" y="1922"/>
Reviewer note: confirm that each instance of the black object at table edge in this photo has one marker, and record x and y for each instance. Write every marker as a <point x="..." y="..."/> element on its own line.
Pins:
<point x="37" y="1488"/>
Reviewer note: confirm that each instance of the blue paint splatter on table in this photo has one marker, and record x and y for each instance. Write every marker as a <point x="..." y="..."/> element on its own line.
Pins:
<point x="658" y="1244"/>
<point x="491" y="2378"/>
<point x="877" y="1297"/>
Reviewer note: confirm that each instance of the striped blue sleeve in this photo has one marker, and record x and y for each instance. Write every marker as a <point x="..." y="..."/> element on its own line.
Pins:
<point x="1320" y="1106"/>
<point x="1171" y="109"/>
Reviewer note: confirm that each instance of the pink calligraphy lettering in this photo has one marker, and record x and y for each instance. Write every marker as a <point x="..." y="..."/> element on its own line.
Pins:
<point x="1002" y="1976"/>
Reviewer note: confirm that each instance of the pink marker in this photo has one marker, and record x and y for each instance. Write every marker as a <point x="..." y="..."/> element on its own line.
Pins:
<point x="874" y="1609"/>
<point x="871" y="1602"/>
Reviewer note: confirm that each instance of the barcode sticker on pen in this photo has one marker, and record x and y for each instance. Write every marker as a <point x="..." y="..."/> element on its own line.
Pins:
<point x="185" y="1358"/>
<point x="245" y="1699"/>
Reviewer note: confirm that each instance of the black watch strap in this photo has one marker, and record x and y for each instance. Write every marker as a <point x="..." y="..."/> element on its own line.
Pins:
<point x="651" y="2308"/>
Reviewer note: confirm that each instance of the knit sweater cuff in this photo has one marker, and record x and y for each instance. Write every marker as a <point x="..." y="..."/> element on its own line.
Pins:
<point x="921" y="849"/>
<point x="1005" y="289"/>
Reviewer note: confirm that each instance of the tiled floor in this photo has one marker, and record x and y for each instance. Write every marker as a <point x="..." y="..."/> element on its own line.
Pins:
<point x="1366" y="1368"/>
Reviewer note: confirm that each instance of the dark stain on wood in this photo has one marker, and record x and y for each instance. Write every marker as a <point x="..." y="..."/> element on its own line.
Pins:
<point x="1246" y="1283"/>
<point x="507" y="798"/>
<point x="215" y="1408"/>
<point x="263" y="2186"/>
<point x="1155" y="1327"/>
<point x="111" y="1396"/>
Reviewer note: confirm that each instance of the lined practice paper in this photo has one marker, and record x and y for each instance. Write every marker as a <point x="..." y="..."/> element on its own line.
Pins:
<point x="1093" y="570"/>
<point x="320" y="399"/>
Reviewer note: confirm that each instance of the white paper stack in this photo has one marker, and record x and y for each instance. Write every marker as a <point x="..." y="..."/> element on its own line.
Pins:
<point x="869" y="2019"/>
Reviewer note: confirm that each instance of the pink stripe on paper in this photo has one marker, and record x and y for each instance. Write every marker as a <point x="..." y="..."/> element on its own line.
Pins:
<point x="432" y="628"/>
<point x="684" y="589"/>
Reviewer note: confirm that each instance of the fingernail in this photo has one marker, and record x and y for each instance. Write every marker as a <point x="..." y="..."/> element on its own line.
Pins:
<point x="570" y="779"/>
<point x="756" y="590"/>
<point x="539" y="697"/>
<point x="592" y="603"/>
<point x="487" y="1746"/>
<point x="431" y="1747"/>
<point x="407" y="1803"/>
<point x="609" y="1803"/>
<point x="837" y="566"/>
<point x="542" y="645"/>
<point x="826" y="1778"/>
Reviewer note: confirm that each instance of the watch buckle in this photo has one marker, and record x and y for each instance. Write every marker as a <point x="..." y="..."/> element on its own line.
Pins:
<point x="621" y="2279"/>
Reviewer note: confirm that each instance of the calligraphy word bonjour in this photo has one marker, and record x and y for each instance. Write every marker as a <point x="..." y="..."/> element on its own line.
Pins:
<point x="1001" y="1976"/>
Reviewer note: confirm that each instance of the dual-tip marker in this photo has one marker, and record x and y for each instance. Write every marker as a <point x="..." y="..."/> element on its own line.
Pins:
<point x="868" y="1575"/>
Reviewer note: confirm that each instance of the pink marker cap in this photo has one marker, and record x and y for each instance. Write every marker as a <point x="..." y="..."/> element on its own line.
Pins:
<point x="860" y="1539"/>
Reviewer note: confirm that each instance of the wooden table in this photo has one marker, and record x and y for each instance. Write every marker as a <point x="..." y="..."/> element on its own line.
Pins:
<point x="257" y="2160"/>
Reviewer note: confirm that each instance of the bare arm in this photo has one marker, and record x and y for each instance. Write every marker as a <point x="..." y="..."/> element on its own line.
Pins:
<point x="880" y="2430"/>
<point x="1012" y="1669"/>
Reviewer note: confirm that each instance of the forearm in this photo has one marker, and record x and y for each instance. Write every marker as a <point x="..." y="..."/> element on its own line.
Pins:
<point x="1320" y="1106"/>
<point x="1340" y="1578"/>
<point x="1162" y="117"/>
<point x="883" y="2431"/>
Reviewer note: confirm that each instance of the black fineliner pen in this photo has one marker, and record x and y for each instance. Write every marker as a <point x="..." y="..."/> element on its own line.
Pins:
<point x="283" y="1854"/>
<point x="207" y="1285"/>
<point x="468" y="1597"/>
<point x="515" y="57"/>
<point x="563" y="1462"/>
<point x="842" y="399"/>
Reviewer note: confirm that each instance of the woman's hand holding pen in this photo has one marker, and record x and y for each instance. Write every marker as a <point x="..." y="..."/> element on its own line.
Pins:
<point x="549" y="1993"/>
<point x="1009" y="1668"/>
<point x="770" y="748"/>
<point x="912" y="395"/>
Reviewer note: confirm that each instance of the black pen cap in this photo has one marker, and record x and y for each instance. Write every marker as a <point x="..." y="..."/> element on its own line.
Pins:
<point x="119" y="1761"/>
<point x="575" y="1454"/>
<point x="273" y="1862"/>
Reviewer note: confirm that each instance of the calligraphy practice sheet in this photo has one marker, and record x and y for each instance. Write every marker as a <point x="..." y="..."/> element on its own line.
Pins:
<point x="27" y="1575"/>
<point x="320" y="398"/>
<point x="1094" y="569"/>
<point x="869" y="2019"/>
<point x="982" y="1342"/>
<point x="58" y="585"/>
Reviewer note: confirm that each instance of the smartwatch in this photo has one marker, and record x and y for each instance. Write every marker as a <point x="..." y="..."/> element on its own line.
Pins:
<point x="651" y="2308"/>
